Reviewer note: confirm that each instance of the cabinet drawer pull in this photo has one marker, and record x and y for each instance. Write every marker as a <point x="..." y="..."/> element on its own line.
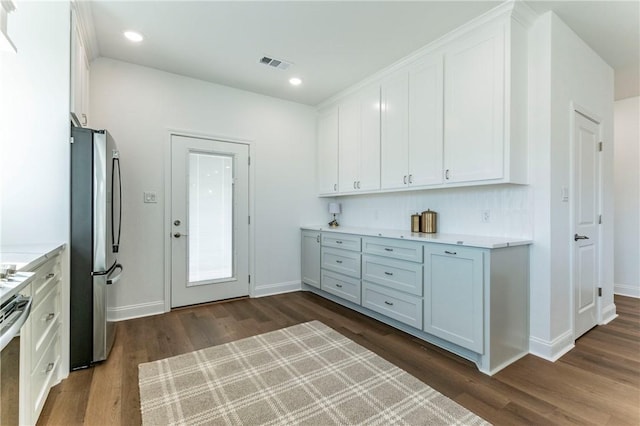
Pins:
<point x="50" y="275"/>
<point x="49" y="367"/>
<point x="338" y="242"/>
<point x="338" y="261"/>
<point x="404" y="179"/>
<point x="49" y="317"/>
<point x="450" y="252"/>
<point x="354" y="184"/>
<point x="388" y="273"/>
<point x="335" y="186"/>
<point x="446" y="174"/>
<point x="388" y="249"/>
<point x="410" y="178"/>
<point x="388" y="303"/>
<point x="339" y="285"/>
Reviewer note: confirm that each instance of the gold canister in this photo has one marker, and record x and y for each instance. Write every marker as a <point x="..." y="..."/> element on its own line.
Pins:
<point x="429" y="222"/>
<point x="415" y="222"/>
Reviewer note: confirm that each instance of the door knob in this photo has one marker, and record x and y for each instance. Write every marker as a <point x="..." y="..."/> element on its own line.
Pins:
<point x="577" y="237"/>
<point x="177" y="222"/>
<point x="178" y="235"/>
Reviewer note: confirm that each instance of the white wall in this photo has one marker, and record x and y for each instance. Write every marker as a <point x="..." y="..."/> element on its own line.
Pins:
<point x="138" y="105"/>
<point x="627" y="196"/>
<point x="34" y="126"/>
<point x="34" y="136"/>
<point x="563" y="69"/>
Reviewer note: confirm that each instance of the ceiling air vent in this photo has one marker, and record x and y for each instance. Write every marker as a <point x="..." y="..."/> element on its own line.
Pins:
<point x="275" y="63"/>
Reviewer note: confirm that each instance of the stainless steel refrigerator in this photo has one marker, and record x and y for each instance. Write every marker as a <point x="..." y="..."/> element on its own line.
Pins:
<point x="96" y="214"/>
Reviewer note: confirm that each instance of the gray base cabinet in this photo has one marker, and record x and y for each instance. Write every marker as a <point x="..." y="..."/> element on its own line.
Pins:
<point x="453" y="295"/>
<point x="472" y="301"/>
<point x="310" y="256"/>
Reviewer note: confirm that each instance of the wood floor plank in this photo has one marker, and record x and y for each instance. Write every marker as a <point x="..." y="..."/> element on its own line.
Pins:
<point x="598" y="382"/>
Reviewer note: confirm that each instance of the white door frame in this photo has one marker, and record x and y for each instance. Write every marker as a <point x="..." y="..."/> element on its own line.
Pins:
<point x="167" y="206"/>
<point x="576" y="108"/>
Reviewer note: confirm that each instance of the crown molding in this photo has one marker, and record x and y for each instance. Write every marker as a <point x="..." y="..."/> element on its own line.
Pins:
<point x="84" y="18"/>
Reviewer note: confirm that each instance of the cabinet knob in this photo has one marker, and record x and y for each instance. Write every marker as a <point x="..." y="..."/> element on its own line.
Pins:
<point x="358" y="184"/>
<point x="404" y="179"/>
<point x="335" y="186"/>
<point x="410" y="178"/>
<point x="446" y="174"/>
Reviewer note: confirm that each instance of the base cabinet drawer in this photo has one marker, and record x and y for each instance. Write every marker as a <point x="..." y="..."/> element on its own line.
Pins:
<point x="395" y="274"/>
<point x="403" y="250"/>
<point x="341" y="261"/>
<point x="394" y="304"/>
<point x="43" y="375"/>
<point x="44" y="319"/>
<point x="340" y="285"/>
<point x="341" y="241"/>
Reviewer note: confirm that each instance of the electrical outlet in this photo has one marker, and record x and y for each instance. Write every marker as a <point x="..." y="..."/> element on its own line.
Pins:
<point x="486" y="216"/>
<point x="150" y="197"/>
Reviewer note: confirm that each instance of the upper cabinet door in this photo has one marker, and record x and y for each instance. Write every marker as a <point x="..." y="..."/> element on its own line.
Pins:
<point x="475" y="107"/>
<point x="369" y="177"/>
<point x="359" y="142"/>
<point x="349" y="145"/>
<point x="394" y="142"/>
<point x="425" y="121"/>
<point x="328" y="152"/>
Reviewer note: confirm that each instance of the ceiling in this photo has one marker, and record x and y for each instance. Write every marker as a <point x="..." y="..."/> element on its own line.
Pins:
<point x="331" y="44"/>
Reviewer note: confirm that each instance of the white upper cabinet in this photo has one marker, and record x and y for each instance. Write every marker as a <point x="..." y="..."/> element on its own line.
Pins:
<point x="425" y="121"/>
<point x="359" y="142"/>
<point x="328" y="152"/>
<point x="454" y="114"/>
<point x="79" y="107"/>
<point x="395" y="139"/>
<point x="485" y="106"/>
<point x="412" y="125"/>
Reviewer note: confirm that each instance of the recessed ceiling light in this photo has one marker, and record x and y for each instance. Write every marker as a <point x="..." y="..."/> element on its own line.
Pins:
<point x="133" y="36"/>
<point x="295" y="81"/>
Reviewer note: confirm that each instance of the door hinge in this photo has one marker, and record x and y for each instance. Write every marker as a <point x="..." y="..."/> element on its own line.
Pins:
<point x="71" y="139"/>
<point x="249" y="279"/>
<point x="249" y="220"/>
<point x="249" y="161"/>
<point x="600" y="220"/>
<point x="600" y="146"/>
<point x="599" y="291"/>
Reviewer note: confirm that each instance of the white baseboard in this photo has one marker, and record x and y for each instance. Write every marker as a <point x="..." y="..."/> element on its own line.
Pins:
<point x="122" y="313"/>
<point x="277" y="288"/>
<point x="552" y="350"/>
<point x="627" y="290"/>
<point x="608" y="314"/>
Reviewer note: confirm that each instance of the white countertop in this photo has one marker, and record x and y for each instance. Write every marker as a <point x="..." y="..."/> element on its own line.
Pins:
<point x="456" y="239"/>
<point x="25" y="257"/>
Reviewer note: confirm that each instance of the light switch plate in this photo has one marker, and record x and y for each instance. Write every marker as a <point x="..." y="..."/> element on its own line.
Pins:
<point x="150" y="197"/>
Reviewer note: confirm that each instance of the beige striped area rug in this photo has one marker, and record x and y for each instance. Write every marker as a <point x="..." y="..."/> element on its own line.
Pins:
<point x="307" y="374"/>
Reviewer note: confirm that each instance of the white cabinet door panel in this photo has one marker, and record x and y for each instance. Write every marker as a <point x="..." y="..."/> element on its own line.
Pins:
<point x="474" y="107"/>
<point x="328" y="152"/>
<point x="349" y="145"/>
<point x="394" y="139"/>
<point x="311" y="258"/>
<point x="369" y="177"/>
<point x="425" y="121"/>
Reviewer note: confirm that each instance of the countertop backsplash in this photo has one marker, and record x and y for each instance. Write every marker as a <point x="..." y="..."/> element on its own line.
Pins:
<point x="460" y="210"/>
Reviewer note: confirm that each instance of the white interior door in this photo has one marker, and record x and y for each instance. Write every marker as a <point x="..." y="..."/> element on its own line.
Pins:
<point x="209" y="220"/>
<point x="586" y="238"/>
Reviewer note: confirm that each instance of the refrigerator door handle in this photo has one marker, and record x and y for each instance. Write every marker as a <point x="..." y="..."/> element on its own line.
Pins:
<point x="115" y="164"/>
<point x="115" y="279"/>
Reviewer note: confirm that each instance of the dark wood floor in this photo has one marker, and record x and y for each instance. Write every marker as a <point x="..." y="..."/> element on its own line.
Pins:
<point x="598" y="382"/>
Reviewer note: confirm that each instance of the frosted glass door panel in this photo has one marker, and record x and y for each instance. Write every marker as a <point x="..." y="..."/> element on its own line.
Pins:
<point x="210" y="218"/>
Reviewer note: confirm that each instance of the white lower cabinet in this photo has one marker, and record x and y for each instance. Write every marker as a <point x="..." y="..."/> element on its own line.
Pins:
<point x="40" y="346"/>
<point x="472" y="301"/>
<point x="454" y="295"/>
